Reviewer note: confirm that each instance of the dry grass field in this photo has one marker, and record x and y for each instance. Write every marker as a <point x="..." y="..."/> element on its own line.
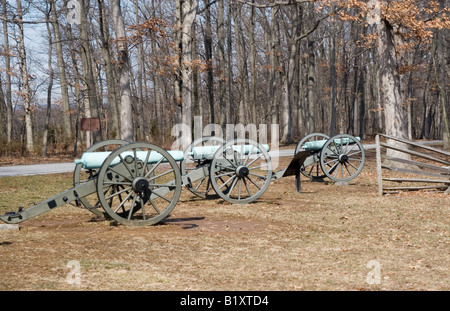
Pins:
<point x="329" y="237"/>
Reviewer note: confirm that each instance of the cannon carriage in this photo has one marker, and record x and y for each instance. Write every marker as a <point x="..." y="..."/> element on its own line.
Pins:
<point x="138" y="184"/>
<point x="340" y="158"/>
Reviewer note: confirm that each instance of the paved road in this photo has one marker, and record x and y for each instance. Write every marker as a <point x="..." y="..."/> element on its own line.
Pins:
<point x="42" y="169"/>
<point x="36" y="169"/>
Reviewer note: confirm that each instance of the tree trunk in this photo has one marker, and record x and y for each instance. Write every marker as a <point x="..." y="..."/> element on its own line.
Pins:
<point x="111" y="82"/>
<point x="353" y="102"/>
<point x="362" y="103"/>
<point x="189" y="11"/>
<point x="49" y="90"/>
<point x="379" y="105"/>
<point x="209" y="62"/>
<point x="62" y="72"/>
<point x="140" y="81"/>
<point x="2" y="110"/>
<point x="7" y="56"/>
<point x="333" y="79"/>
<point x="230" y="102"/>
<point x="26" y="92"/>
<point x="300" y="106"/>
<point x="274" y="72"/>
<point x="86" y="60"/>
<point x="286" y="110"/>
<point x="178" y="81"/>
<point x="425" y="106"/>
<point x="158" y="124"/>
<point x="221" y="64"/>
<point x="391" y="96"/>
<point x="288" y="69"/>
<point x="310" y="90"/>
<point x="241" y="63"/>
<point x="390" y="87"/>
<point x="123" y="63"/>
<point x="439" y="65"/>
<point x="197" y="106"/>
<point x="77" y="83"/>
<point x="253" y="78"/>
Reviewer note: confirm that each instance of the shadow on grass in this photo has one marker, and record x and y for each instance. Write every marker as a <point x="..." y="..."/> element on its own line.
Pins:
<point x="185" y="222"/>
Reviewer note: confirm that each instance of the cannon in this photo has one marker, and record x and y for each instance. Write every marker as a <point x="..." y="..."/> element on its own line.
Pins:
<point x="134" y="184"/>
<point x="240" y="171"/>
<point x="138" y="184"/>
<point x="340" y="158"/>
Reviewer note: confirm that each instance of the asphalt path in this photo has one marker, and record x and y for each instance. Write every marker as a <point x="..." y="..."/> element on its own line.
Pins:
<point x="55" y="168"/>
<point x="36" y="169"/>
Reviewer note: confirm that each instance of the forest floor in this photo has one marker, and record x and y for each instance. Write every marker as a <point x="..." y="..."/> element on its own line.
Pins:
<point x="328" y="237"/>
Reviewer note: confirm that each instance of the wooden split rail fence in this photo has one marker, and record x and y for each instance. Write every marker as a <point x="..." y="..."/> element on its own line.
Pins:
<point x="426" y="167"/>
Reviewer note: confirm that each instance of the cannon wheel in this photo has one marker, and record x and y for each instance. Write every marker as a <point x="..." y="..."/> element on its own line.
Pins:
<point x="342" y="158"/>
<point x="311" y="167"/>
<point x="202" y="187"/>
<point x="80" y="175"/>
<point x="135" y="193"/>
<point x="239" y="178"/>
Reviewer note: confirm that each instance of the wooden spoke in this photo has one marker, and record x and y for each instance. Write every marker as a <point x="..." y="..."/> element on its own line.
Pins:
<point x="145" y="193"/>
<point x="342" y="158"/>
<point x="200" y="187"/>
<point x="82" y="175"/>
<point x="311" y="167"/>
<point x="247" y="175"/>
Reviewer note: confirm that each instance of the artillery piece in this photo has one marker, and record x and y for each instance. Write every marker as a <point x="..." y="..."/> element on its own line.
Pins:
<point x="340" y="158"/>
<point x="139" y="184"/>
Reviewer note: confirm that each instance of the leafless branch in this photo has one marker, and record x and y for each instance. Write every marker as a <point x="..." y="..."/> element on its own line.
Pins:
<point x="17" y="21"/>
<point x="316" y="24"/>
<point x="274" y="3"/>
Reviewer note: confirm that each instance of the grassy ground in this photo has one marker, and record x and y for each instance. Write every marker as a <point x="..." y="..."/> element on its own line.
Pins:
<point x="328" y="237"/>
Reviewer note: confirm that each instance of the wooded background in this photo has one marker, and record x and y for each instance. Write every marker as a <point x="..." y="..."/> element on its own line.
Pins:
<point x="141" y="66"/>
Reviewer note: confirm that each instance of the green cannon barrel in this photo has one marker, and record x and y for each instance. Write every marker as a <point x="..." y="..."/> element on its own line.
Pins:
<point x="91" y="160"/>
<point x="318" y="144"/>
<point x="94" y="160"/>
<point x="207" y="152"/>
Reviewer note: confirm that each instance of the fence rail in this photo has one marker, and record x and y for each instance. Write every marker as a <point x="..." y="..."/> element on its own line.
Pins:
<point x="413" y="160"/>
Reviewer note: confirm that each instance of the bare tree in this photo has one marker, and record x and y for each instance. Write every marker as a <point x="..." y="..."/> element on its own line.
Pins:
<point x="141" y="80"/>
<point x="126" y="117"/>
<point x="26" y="91"/>
<point x="62" y="71"/>
<point x="241" y="62"/>
<point x="187" y="11"/>
<point x="88" y="73"/>
<point x="221" y="59"/>
<point x="209" y="62"/>
<point x="440" y="76"/>
<point x="7" y="56"/>
<point x="50" y="85"/>
<point x="109" y="71"/>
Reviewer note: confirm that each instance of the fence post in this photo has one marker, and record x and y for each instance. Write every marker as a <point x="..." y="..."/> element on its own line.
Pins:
<point x="378" y="156"/>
